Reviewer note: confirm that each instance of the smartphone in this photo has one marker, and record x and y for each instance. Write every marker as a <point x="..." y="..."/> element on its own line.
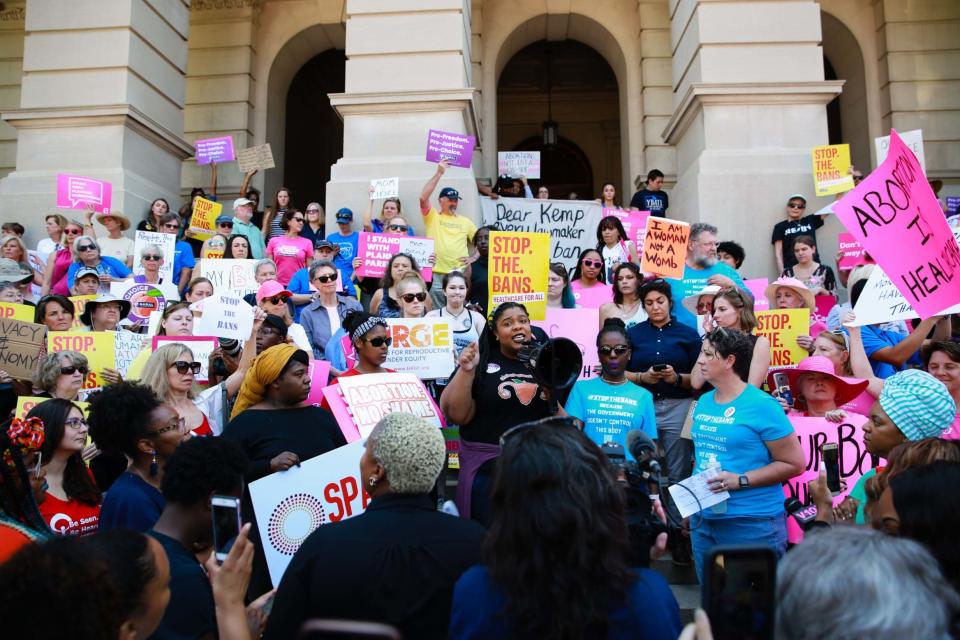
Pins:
<point x="739" y="587"/>
<point x="782" y="383"/>
<point x="659" y="367"/>
<point x="831" y="459"/>
<point x="226" y="524"/>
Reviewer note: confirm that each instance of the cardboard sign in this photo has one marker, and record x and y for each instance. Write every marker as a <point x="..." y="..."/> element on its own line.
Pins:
<point x="758" y="289"/>
<point x="319" y="378"/>
<point x="200" y="346"/>
<point x="14" y="311"/>
<point x="255" y="158"/>
<point x="881" y="301"/>
<point x="359" y="402"/>
<point x="384" y="188"/>
<point x="831" y="169"/>
<point x="21" y="344"/>
<point x="572" y="224"/>
<point x="98" y="346"/>
<point x="26" y="403"/>
<point x="853" y="254"/>
<point x="914" y="141"/>
<point x="168" y="245"/>
<point x="579" y="325"/>
<point x="518" y="163"/>
<point x="455" y="147"/>
<point x="376" y="249"/>
<point x="126" y="347"/>
<point x="665" y="248"/>
<point x="421" y="346"/>
<point x="214" y="150"/>
<point x="782" y="327"/>
<point x="226" y="316"/>
<point x="144" y="299"/>
<point x="518" y="270"/>
<point x="290" y="505"/>
<point x="234" y="275"/>
<point x="203" y="219"/>
<point x="77" y="192"/>
<point x="894" y="214"/>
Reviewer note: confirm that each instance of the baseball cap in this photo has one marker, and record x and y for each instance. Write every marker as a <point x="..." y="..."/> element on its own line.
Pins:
<point x="449" y="192"/>
<point x="344" y="214"/>
<point x="272" y="288"/>
<point x="224" y="218"/>
<point x="796" y="196"/>
<point x="239" y="202"/>
<point x="87" y="271"/>
<point x="324" y="244"/>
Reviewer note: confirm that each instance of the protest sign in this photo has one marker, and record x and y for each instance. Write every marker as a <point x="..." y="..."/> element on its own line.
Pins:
<point x="79" y="305"/>
<point x="831" y="169"/>
<point x="225" y="315"/>
<point x="571" y="223"/>
<point x="894" y="214"/>
<point x="359" y="402"/>
<point x="518" y="163"/>
<point x="144" y="299"/>
<point x="26" y="403"/>
<point x="255" y="158"/>
<point x="167" y="243"/>
<point x="455" y="147"/>
<point x="578" y="325"/>
<point x="782" y="327"/>
<point x="421" y="346"/>
<point x="127" y="346"/>
<point x="232" y="274"/>
<point x="319" y="377"/>
<point x="98" y="346"/>
<point x="881" y="301"/>
<point x="214" y="150"/>
<point x="21" y="344"/>
<point x="384" y="188"/>
<point x="913" y="139"/>
<point x="203" y="219"/>
<point x="518" y="268"/>
<point x="953" y="205"/>
<point x="758" y="289"/>
<point x="376" y="249"/>
<point x="77" y="192"/>
<point x="14" y="311"/>
<point x="665" y="248"/>
<point x="821" y="309"/>
<point x="852" y="252"/>
<point x="634" y="224"/>
<point x="290" y="505"/>
<point x="200" y="346"/>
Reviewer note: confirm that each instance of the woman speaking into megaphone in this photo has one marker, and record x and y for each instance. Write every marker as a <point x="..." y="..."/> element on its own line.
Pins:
<point x="490" y="391"/>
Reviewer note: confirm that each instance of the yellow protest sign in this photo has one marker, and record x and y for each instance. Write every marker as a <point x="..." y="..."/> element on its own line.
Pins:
<point x="26" y="403"/>
<point x="831" y="169"/>
<point x="782" y="327"/>
<point x="99" y="347"/>
<point x="665" y="247"/>
<point x="518" y="266"/>
<point x="79" y="304"/>
<point x="14" y="311"/>
<point x="203" y="219"/>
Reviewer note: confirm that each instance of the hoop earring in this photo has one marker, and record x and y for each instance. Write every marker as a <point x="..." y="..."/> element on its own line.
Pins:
<point x="154" y="468"/>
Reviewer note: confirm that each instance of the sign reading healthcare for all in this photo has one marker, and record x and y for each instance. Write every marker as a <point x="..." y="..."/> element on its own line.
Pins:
<point x="518" y="270"/>
<point x="898" y="220"/>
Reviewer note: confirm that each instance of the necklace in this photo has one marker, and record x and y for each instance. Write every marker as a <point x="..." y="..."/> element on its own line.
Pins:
<point x="624" y="381"/>
<point x="632" y="310"/>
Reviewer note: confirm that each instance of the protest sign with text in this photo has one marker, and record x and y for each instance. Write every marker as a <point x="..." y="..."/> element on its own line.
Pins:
<point x="579" y="325"/>
<point x="634" y="224"/>
<point x="455" y="147"/>
<point x="518" y="266"/>
<point x="913" y="139"/>
<point x="758" y="289"/>
<point x="518" y="163"/>
<point x="167" y="243"/>
<point x="144" y="299"/>
<point x="98" y="346"/>
<point x="319" y="378"/>
<point x="376" y="249"/>
<point x="255" y="158"/>
<point x="77" y="192"/>
<point x="14" y="311"/>
<point x="665" y="247"/>
<point x="225" y="315"/>
<point x="782" y="327"/>
<point x="384" y="188"/>
<point x="127" y="346"/>
<point x="200" y="346"/>
<point x="214" y="150"/>
<point x="20" y="346"/>
<point x="894" y="214"/>
<point x="831" y="169"/>
<point x="359" y="402"/>
<point x="881" y="301"/>
<point x="79" y="305"/>
<point x="421" y="346"/>
<point x="852" y="254"/>
<point x="233" y="274"/>
<point x="203" y="219"/>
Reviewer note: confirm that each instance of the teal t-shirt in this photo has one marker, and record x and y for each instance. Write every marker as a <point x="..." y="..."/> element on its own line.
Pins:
<point x="735" y="435"/>
<point x="694" y="280"/>
<point x="859" y="492"/>
<point x="610" y="411"/>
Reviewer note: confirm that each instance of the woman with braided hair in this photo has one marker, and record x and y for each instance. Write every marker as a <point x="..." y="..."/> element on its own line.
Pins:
<point x="20" y="488"/>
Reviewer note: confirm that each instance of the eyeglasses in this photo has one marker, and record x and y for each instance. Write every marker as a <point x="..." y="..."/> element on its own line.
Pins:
<point x="72" y="232"/>
<point x="183" y="367"/>
<point x="410" y="297"/>
<point x="617" y="350"/>
<point x="177" y="424"/>
<point x="72" y="369"/>
<point x="398" y="227"/>
<point x="552" y="421"/>
<point x="152" y="258"/>
<point x="796" y="205"/>
<point x="326" y="279"/>
<point x="77" y="424"/>
<point x="274" y="300"/>
<point x="596" y="264"/>
<point x="87" y="247"/>
<point x="379" y="342"/>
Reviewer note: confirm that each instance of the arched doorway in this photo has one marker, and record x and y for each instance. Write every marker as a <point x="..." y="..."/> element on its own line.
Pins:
<point x="583" y="100"/>
<point x="847" y="113"/>
<point x="314" y="131"/>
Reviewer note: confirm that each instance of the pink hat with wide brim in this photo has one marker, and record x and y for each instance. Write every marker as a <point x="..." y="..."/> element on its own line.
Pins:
<point x="791" y="283"/>
<point x="847" y="388"/>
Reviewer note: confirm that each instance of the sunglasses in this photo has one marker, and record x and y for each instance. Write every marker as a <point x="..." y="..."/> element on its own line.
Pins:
<point x="72" y="369"/>
<point x="152" y="258"/>
<point x="171" y="226"/>
<point x="313" y="210"/>
<point x="87" y="247"/>
<point x="226" y="224"/>
<point x="274" y="300"/>
<point x="794" y="205"/>
<point x="296" y="219"/>
<point x="398" y="227"/>
<point x="72" y="232"/>
<point x="326" y="279"/>
<point x="617" y="350"/>
<point x="410" y="297"/>
<point x="183" y="367"/>
<point x="379" y="342"/>
<point x="596" y="264"/>
<point x="552" y="421"/>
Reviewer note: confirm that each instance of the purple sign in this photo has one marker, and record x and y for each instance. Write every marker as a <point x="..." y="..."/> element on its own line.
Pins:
<point x="214" y="150"/>
<point x="76" y="192"/>
<point x="953" y="205"/>
<point x="455" y="147"/>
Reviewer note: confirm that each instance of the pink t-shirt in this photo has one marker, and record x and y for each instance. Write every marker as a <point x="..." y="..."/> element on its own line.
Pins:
<point x="954" y="433"/>
<point x="290" y="254"/>
<point x="592" y="297"/>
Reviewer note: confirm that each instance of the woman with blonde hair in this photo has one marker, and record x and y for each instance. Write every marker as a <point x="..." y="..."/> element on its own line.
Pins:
<point x="13" y="248"/>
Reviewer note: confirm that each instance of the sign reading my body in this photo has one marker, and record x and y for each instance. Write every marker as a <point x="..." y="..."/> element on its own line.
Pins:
<point x="507" y="273"/>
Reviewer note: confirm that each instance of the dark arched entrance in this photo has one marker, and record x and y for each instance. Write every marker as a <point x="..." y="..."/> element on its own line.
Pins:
<point x="564" y="167"/>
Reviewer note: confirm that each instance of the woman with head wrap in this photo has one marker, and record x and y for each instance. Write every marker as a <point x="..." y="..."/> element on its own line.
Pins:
<point x="397" y="562"/>
<point x="20" y="487"/>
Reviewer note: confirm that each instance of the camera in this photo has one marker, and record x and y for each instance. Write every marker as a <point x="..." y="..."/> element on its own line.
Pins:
<point x="636" y="478"/>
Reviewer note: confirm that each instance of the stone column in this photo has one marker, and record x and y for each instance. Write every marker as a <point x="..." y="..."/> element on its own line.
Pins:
<point x="749" y="102"/>
<point x="12" y="17"/>
<point x="102" y="96"/>
<point x="408" y="71"/>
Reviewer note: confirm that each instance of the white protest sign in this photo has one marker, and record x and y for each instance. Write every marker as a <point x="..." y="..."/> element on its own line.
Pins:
<point x="127" y="346"/>
<point x="384" y="188"/>
<point x="518" y="163"/>
<point x="571" y="224"/>
<point x="255" y="158"/>
<point x="881" y="301"/>
<point x="359" y="402"/>
<point x="421" y="346"/>
<point x="226" y="316"/>
<point x="233" y="274"/>
<point x="290" y="505"/>
<point x="913" y="140"/>
<point x="167" y="243"/>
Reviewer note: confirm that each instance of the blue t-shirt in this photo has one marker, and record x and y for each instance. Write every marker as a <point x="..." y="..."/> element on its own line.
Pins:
<point x="108" y="266"/>
<point x="610" y="411"/>
<point x="875" y="339"/>
<point x="131" y="503"/>
<point x="735" y="435"/>
<point x="694" y="280"/>
<point x="182" y="259"/>
<point x="348" y="251"/>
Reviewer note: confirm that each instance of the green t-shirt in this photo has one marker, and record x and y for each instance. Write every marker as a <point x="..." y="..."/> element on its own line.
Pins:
<point x="859" y="493"/>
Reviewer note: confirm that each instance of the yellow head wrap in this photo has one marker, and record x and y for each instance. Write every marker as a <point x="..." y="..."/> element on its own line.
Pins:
<point x="263" y="372"/>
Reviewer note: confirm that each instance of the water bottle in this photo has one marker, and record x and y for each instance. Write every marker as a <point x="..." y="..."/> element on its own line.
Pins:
<point x="713" y="468"/>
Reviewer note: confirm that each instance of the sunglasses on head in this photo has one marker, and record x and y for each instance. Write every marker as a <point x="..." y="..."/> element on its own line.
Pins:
<point x="617" y="350"/>
<point x="410" y="297"/>
<point x="592" y="263"/>
<point x="72" y="369"/>
<point x="326" y="279"/>
<point x="152" y="258"/>
<point x="87" y="247"/>
<point x="398" y="227"/>
<point x="275" y="300"/>
<point x="183" y="367"/>
<point x="379" y="342"/>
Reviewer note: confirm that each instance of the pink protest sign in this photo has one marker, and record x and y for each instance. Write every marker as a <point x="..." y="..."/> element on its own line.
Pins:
<point x="895" y="215"/>
<point x="758" y="288"/>
<point x="319" y="376"/>
<point x="579" y="325"/>
<point x="214" y="150"/>
<point x="821" y="310"/>
<point x="361" y="401"/>
<point x="634" y="224"/>
<point x="852" y="254"/>
<point x="77" y="192"/>
<point x="455" y="147"/>
<point x="376" y="249"/>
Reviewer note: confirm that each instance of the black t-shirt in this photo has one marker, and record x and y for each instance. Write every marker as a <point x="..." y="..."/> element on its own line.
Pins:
<point x="656" y="202"/>
<point x="508" y="395"/>
<point x="787" y="230"/>
<point x="191" y="612"/>
<point x="479" y="293"/>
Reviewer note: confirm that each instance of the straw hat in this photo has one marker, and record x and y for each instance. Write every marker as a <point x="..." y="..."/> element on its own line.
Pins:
<point x="790" y="283"/>
<point x="847" y="388"/>
<point x="116" y="215"/>
<point x="10" y="271"/>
